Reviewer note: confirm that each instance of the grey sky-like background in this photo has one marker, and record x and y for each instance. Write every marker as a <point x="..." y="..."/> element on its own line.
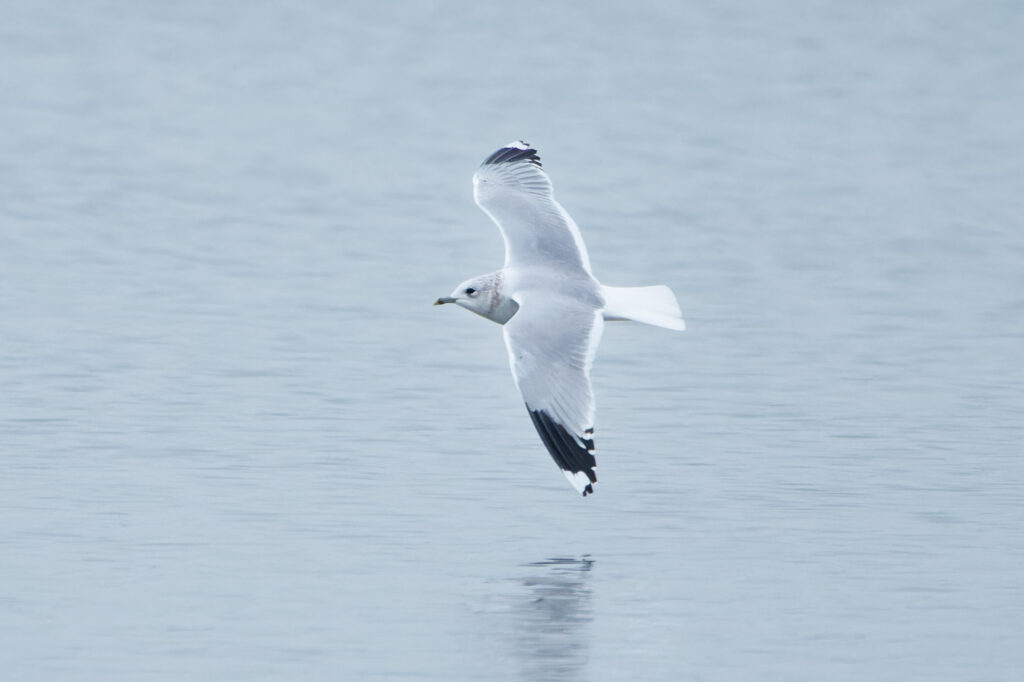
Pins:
<point x="239" y="443"/>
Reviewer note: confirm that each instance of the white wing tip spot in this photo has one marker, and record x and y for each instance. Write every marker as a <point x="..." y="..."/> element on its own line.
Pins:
<point x="580" y="481"/>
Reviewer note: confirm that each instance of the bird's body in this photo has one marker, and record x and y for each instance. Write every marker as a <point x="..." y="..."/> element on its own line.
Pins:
<point x="550" y="305"/>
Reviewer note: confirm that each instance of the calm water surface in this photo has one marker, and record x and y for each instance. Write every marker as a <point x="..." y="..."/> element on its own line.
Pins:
<point x="239" y="443"/>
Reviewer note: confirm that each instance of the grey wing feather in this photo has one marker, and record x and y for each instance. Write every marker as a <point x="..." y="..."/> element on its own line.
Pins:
<point x="551" y="346"/>
<point x="513" y="189"/>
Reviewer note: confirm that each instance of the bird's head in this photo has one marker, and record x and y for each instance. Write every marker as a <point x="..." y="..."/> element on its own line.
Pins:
<point x="482" y="295"/>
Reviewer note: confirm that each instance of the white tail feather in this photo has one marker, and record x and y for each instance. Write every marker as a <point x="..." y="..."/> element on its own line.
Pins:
<point x="651" y="305"/>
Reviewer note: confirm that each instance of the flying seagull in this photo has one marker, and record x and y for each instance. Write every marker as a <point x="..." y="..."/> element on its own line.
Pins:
<point x="550" y="306"/>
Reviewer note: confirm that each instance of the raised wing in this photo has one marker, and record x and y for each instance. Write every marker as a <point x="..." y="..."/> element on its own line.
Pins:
<point x="513" y="189"/>
<point x="551" y="347"/>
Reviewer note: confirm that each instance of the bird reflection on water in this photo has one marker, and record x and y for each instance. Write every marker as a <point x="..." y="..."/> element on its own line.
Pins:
<point x="553" y="643"/>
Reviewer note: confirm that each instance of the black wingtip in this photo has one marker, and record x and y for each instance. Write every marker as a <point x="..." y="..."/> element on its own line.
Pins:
<point x="571" y="453"/>
<point x="516" y="151"/>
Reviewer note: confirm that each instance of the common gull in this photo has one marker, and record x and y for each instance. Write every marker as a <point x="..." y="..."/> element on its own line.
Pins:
<point x="551" y="308"/>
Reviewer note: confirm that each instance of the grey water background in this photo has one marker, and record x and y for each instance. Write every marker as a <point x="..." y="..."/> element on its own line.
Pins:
<point x="237" y="441"/>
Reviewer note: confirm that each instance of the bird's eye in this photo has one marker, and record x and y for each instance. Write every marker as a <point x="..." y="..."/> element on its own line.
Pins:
<point x="470" y="291"/>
